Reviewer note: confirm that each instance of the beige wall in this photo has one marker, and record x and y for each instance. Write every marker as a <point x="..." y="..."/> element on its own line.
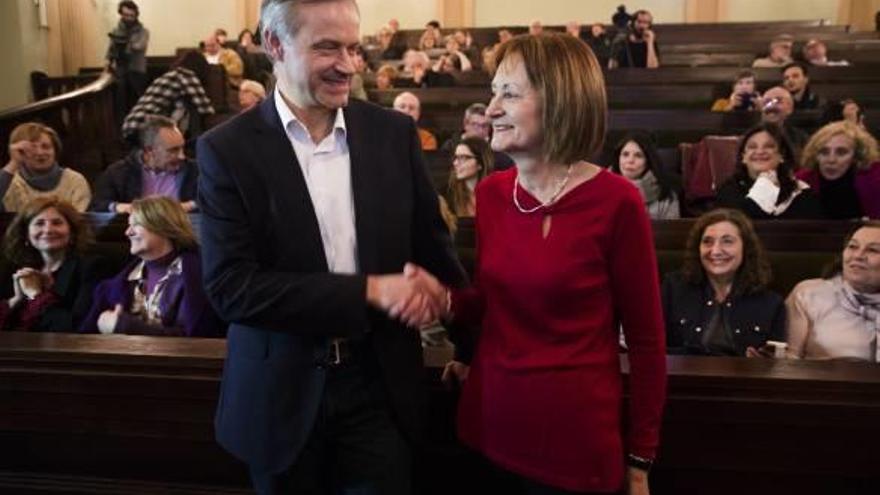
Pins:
<point x="23" y="48"/>
<point x="520" y="13"/>
<point x="779" y="10"/>
<point x="412" y="14"/>
<point x="176" y="23"/>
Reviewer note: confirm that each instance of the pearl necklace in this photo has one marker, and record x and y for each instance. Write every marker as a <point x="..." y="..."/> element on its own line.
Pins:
<point x="553" y="197"/>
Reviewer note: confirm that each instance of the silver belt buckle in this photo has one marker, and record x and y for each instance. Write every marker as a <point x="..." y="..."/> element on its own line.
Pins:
<point x="335" y="355"/>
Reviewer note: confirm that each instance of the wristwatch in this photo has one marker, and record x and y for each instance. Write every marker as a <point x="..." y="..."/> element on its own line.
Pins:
<point x="637" y="462"/>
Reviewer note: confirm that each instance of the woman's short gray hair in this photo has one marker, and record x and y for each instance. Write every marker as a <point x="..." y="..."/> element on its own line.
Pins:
<point x="280" y="17"/>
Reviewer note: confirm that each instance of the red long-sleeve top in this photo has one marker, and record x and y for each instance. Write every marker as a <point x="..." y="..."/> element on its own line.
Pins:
<point x="543" y="398"/>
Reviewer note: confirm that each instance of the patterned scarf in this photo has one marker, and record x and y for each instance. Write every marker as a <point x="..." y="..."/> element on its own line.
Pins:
<point x="866" y="306"/>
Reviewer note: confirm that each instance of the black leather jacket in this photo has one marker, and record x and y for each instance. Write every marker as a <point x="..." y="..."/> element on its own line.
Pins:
<point x="752" y="318"/>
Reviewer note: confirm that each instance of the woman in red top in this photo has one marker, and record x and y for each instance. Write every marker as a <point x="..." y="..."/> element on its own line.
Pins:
<point x="565" y="257"/>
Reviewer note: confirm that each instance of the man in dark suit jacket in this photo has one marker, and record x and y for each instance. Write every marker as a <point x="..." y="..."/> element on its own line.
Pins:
<point x="312" y="208"/>
<point x="157" y="167"/>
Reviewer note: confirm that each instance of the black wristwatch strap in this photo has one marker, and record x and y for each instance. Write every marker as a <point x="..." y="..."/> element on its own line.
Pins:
<point x="637" y="462"/>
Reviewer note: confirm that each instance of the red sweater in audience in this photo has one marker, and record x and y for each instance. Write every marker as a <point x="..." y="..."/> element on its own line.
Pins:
<point x="543" y="398"/>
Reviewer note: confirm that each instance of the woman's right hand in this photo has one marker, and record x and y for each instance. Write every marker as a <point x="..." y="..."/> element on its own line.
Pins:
<point x="455" y="373"/>
<point x="32" y="282"/>
<point x="17" y="295"/>
<point x="18" y="155"/>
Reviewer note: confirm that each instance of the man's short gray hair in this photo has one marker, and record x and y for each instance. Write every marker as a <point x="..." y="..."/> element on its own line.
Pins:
<point x="475" y="109"/>
<point x="151" y="127"/>
<point x="280" y="17"/>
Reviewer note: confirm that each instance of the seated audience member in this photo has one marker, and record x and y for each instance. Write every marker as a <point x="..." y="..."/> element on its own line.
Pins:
<point x="847" y="110"/>
<point x="467" y="46"/>
<point x="764" y="185"/>
<point x="816" y="54"/>
<point x="417" y="65"/>
<point x="504" y="35"/>
<point x="743" y="98"/>
<point x="796" y="80"/>
<point x="453" y="52"/>
<point x="718" y="304"/>
<point x="434" y="26"/>
<point x="222" y="37"/>
<point x="174" y="94"/>
<point x="776" y="106"/>
<point x="33" y="170"/>
<point x="639" y="48"/>
<point x="391" y="44"/>
<point x="47" y="282"/>
<point x="573" y="28"/>
<point x="536" y="28"/>
<point x="487" y="55"/>
<point x="409" y="104"/>
<point x="471" y="163"/>
<point x="158" y="167"/>
<point x="257" y="66"/>
<point x="837" y="317"/>
<point x="636" y="158"/>
<point x="840" y="165"/>
<point x="160" y="292"/>
<point x="250" y="94"/>
<point x="600" y="42"/>
<point x="356" y="85"/>
<point x="780" y="53"/>
<point x="477" y="124"/>
<point x="428" y="41"/>
<point x="215" y="54"/>
<point x="385" y="77"/>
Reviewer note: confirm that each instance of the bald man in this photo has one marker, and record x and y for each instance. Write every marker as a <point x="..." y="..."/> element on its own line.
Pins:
<point x="776" y="106"/>
<point x="409" y="104"/>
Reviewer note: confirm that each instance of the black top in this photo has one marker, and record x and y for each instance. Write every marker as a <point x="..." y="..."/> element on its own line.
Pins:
<point x="635" y="54"/>
<point x="742" y="321"/>
<point x="839" y="197"/>
<point x="74" y="283"/>
<point x="732" y="194"/>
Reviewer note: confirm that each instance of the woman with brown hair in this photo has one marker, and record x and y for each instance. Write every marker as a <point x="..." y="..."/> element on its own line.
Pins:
<point x="49" y="280"/>
<point x="33" y="170"/>
<point x="565" y="258"/>
<point x="471" y="163"/>
<point x="838" y="317"/>
<point x="160" y="292"/>
<point x="763" y="185"/>
<point x="718" y="304"/>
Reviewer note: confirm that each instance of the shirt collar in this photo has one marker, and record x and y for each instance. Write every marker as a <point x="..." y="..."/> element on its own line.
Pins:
<point x="287" y="116"/>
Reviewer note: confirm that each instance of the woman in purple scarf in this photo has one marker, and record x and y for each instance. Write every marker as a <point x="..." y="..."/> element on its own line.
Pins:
<point x="160" y="292"/>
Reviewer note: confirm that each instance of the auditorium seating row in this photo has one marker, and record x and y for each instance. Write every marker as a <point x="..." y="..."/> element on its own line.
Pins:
<point x="114" y="414"/>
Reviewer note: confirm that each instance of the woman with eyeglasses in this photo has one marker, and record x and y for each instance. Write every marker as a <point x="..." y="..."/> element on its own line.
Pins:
<point x="471" y="163"/>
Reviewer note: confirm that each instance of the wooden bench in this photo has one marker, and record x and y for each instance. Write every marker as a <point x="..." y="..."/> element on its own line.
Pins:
<point x="144" y="408"/>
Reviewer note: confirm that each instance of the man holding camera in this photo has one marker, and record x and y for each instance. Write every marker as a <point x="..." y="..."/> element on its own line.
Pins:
<point x="639" y="47"/>
<point x="127" y="57"/>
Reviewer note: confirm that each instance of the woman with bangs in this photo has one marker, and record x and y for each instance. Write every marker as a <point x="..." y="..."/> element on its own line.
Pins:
<point x="50" y="278"/>
<point x="718" y="304"/>
<point x="840" y="164"/>
<point x="764" y="185"/>
<point x="565" y="258"/>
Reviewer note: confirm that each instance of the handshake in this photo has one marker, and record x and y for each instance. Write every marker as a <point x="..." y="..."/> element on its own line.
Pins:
<point x="414" y="297"/>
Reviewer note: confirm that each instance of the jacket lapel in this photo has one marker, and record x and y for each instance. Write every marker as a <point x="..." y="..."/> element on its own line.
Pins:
<point x="364" y="185"/>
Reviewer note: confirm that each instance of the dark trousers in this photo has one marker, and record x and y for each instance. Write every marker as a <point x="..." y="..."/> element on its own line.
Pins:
<point x="354" y="449"/>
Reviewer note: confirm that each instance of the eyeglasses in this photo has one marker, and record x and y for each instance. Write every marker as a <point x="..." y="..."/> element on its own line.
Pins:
<point x="460" y="158"/>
